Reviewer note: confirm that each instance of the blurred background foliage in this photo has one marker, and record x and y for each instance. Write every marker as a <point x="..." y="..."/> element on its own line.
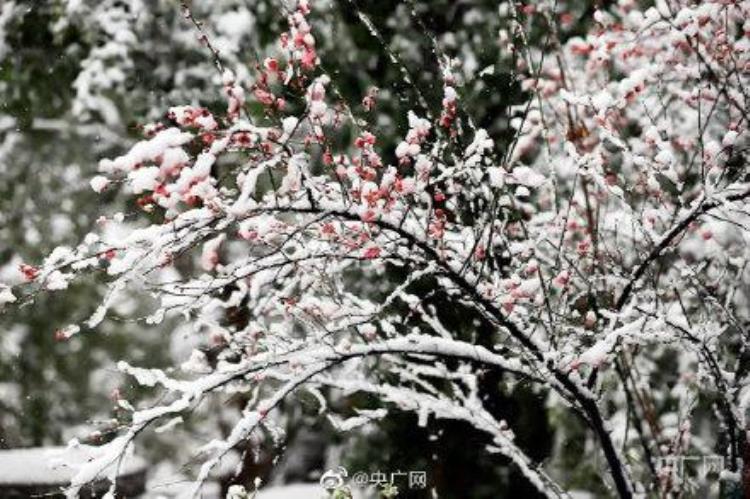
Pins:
<point x="77" y="77"/>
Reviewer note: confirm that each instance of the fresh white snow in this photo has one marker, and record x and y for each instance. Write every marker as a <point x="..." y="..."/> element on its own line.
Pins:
<point x="42" y="465"/>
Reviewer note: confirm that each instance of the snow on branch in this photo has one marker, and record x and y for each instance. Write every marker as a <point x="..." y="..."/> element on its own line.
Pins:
<point x="610" y="233"/>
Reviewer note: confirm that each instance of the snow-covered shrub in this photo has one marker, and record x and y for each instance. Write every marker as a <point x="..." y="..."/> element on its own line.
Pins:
<point x="599" y="254"/>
